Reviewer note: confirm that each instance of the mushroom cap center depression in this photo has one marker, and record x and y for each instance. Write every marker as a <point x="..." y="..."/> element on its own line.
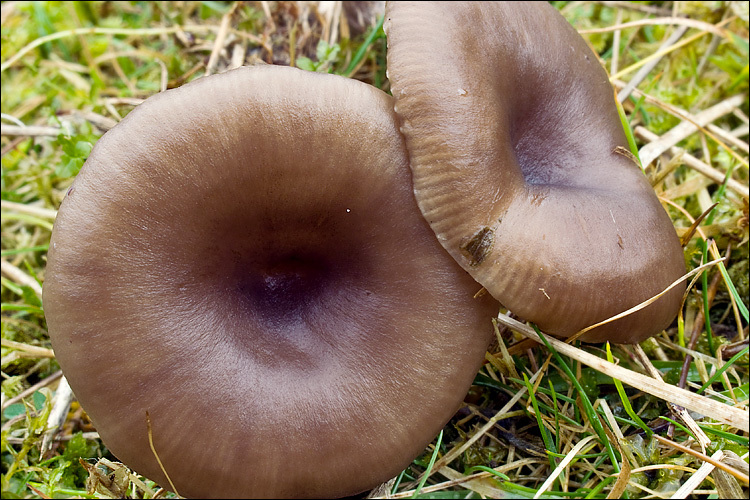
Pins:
<point x="243" y="259"/>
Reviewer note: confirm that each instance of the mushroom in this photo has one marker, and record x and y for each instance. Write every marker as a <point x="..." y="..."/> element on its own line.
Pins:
<point x="242" y="260"/>
<point x="521" y="166"/>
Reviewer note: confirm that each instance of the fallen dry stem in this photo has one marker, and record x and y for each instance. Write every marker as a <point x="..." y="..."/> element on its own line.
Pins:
<point x="461" y="479"/>
<point x="44" y="213"/>
<point x="574" y="452"/>
<point x="697" y="454"/>
<point x="645" y="70"/>
<point x="657" y="55"/>
<point x="20" y="277"/>
<point x="735" y="417"/>
<point x="221" y="36"/>
<point x="33" y="350"/>
<point x="644" y="303"/>
<point x="696" y="164"/>
<point x="716" y="29"/>
<point x="29" y="131"/>
<point x="156" y="455"/>
<point x="31" y="390"/>
<point x="690" y="125"/>
<point x="122" y="32"/>
<point x="696" y="477"/>
<point x="687" y="117"/>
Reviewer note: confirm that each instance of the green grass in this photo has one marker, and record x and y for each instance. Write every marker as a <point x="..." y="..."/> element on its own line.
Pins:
<point x="82" y="66"/>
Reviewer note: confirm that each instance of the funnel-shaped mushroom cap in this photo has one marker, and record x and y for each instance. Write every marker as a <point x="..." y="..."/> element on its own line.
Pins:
<point x="514" y="140"/>
<point x="243" y="258"/>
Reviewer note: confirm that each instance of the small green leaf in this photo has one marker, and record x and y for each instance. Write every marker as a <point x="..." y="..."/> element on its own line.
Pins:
<point x="69" y="167"/>
<point x="83" y="148"/>
<point x="14" y="411"/>
<point x="30" y="296"/>
<point x="306" y="64"/>
<point x="76" y="149"/>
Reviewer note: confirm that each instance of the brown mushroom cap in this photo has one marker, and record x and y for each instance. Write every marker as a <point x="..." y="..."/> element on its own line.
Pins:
<point x="513" y="138"/>
<point x="243" y="259"/>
